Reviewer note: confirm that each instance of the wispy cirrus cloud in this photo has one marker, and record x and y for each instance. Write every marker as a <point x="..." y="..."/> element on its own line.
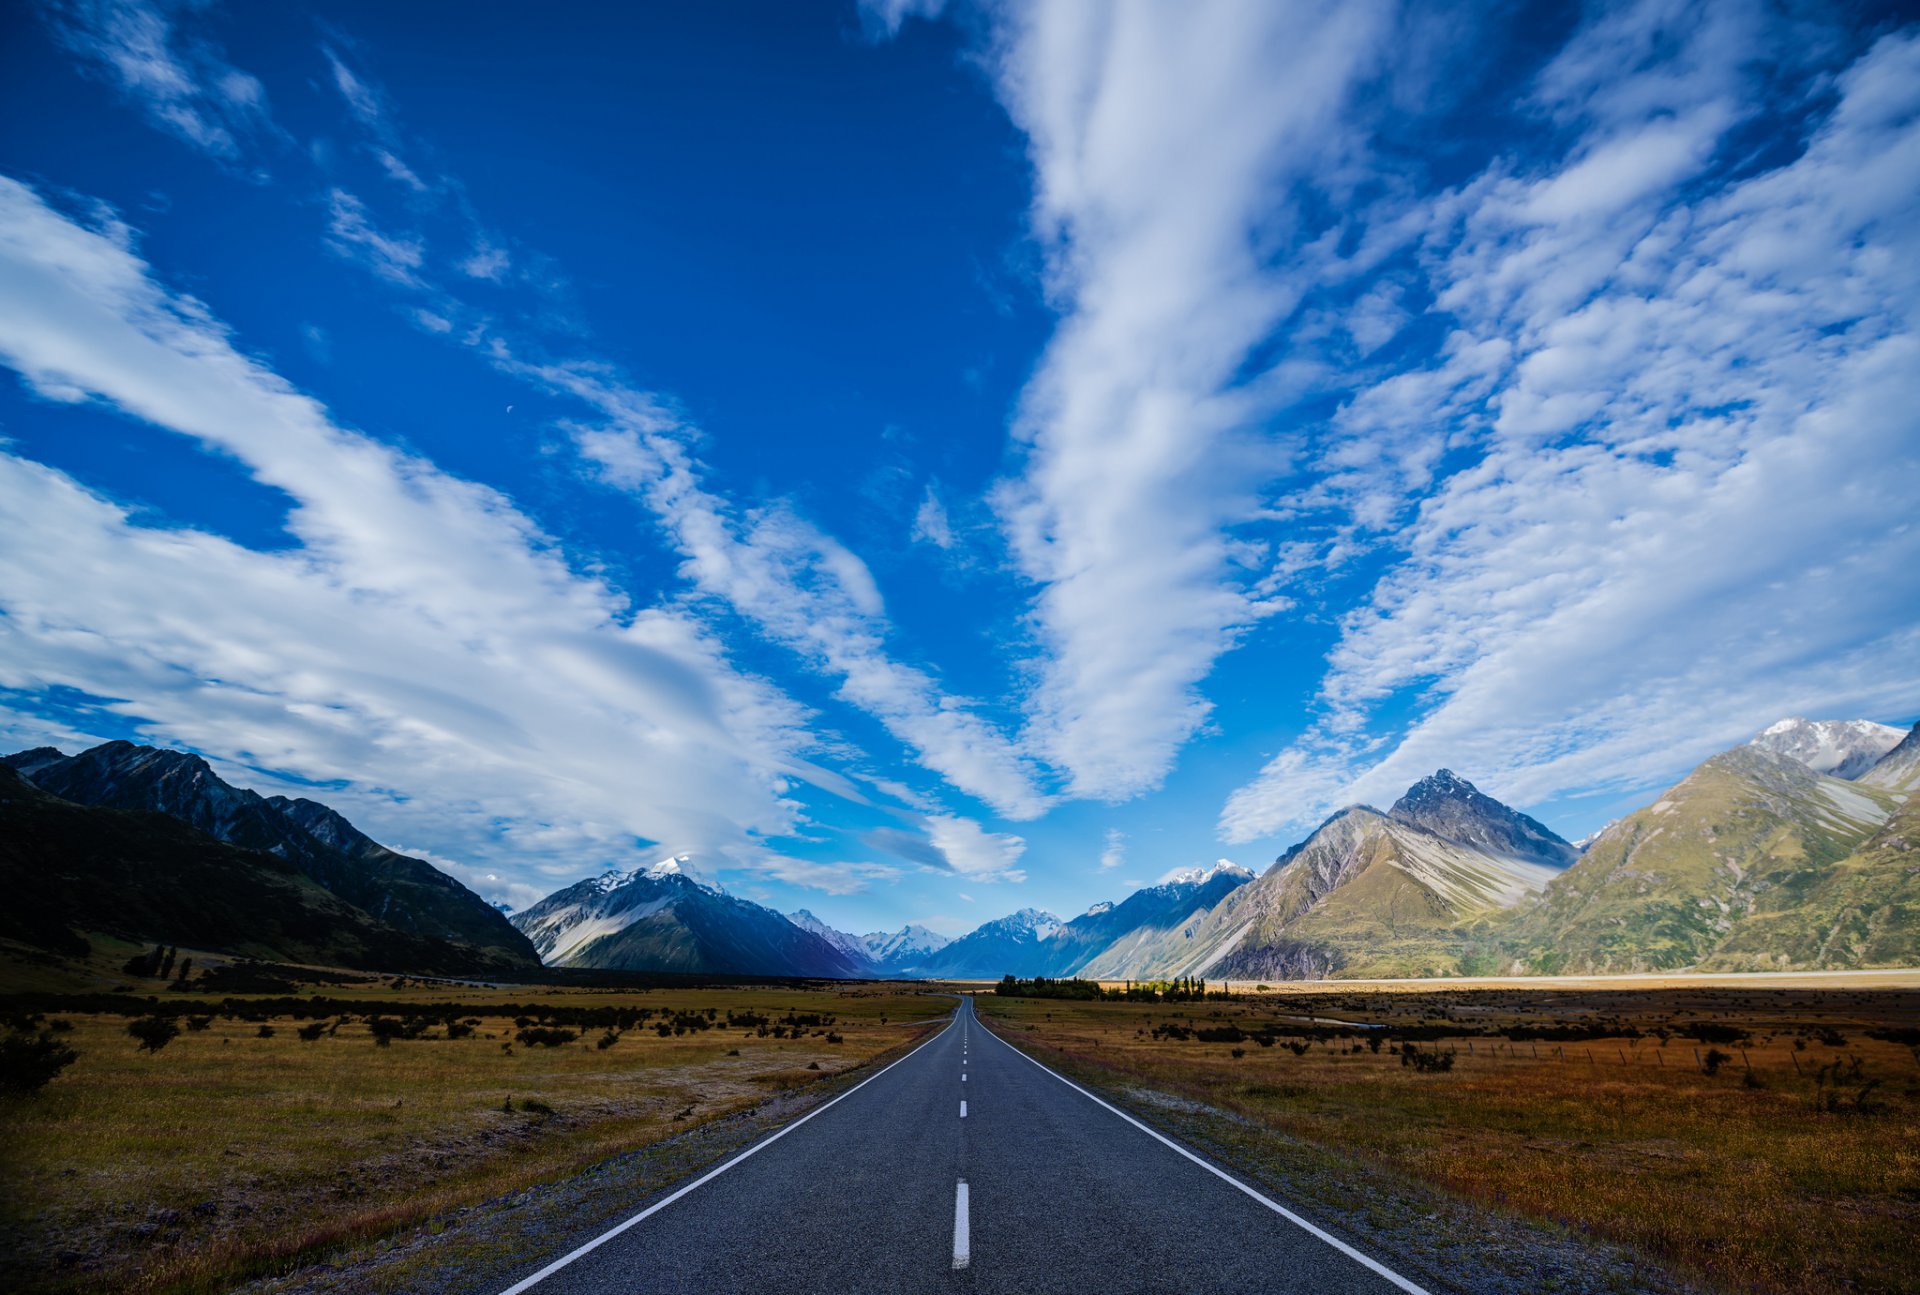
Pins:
<point x="790" y="580"/>
<point x="181" y="80"/>
<point x="1168" y="148"/>
<point x="1690" y="385"/>
<point x="424" y="644"/>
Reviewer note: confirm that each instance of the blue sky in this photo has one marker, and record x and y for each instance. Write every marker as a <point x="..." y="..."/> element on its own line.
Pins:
<point x="924" y="461"/>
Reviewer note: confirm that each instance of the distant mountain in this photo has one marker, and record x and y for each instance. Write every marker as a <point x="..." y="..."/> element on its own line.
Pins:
<point x="1898" y="771"/>
<point x="1751" y="833"/>
<point x="1108" y="939"/>
<point x="1015" y="943"/>
<point x="659" y="918"/>
<point x="146" y="876"/>
<point x="851" y="945"/>
<point x="405" y="893"/>
<point x="1840" y="748"/>
<point x="901" y="952"/>
<point x="1452" y="808"/>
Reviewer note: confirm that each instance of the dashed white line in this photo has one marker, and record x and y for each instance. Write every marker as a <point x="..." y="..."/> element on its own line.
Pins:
<point x="962" y="1254"/>
<point x="963" y="1110"/>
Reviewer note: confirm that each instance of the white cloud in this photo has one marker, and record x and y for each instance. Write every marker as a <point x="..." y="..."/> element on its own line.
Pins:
<point x="1115" y="851"/>
<point x="797" y="585"/>
<point x="974" y="852"/>
<point x="885" y="18"/>
<point x="487" y="262"/>
<point x="183" y="83"/>
<point x="951" y="844"/>
<point x="352" y="234"/>
<point x="1165" y="142"/>
<point x="930" y="524"/>
<point x="423" y="641"/>
<point x="1692" y="510"/>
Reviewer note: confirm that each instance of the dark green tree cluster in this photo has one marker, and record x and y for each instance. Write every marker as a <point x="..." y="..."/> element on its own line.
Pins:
<point x="1186" y="989"/>
<point x="31" y="1055"/>
<point x="155" y="964"/>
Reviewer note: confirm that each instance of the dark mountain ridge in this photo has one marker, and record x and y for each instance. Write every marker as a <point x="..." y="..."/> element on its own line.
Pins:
<point x="408" y="894"/>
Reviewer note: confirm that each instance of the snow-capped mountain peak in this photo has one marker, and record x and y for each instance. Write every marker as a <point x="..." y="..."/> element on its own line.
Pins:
<point x="903" y="948"/>
<point x="1839" y="748"/>
<point x="851" y="945"/>
<point x="1198" y="876"/>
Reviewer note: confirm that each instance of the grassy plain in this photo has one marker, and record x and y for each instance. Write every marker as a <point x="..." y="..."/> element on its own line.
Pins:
<point x="1794" y="1167"/>
<point x="241" y="1148"/>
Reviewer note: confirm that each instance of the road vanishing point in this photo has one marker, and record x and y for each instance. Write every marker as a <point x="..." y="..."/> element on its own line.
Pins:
<point x="964" y="1166"/>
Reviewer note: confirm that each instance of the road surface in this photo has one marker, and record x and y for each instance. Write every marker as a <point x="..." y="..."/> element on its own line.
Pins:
<point x="964" y="1166"/>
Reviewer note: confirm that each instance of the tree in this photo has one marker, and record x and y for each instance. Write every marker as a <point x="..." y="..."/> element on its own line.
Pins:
<point x="154" y="1032"/>
<point x="28" y="1062"/>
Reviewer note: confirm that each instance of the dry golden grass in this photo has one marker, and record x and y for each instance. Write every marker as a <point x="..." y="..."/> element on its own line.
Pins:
<point x="1749" y="1185"/>
<point x="228" y="1154"/>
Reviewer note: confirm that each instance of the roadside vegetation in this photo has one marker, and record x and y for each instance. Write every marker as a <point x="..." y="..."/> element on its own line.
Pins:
<point x="1756" y="1140"/>
<point x="184" y="1135"/>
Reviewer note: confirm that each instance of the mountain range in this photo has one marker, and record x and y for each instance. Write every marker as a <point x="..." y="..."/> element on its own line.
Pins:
<point x="1799" y="849"/>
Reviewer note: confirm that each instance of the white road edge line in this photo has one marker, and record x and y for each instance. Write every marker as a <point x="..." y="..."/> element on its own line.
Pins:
<point x="1285" y="1213"/>
<point x="962" y="1254"/>
<point x="711" y="1174"/>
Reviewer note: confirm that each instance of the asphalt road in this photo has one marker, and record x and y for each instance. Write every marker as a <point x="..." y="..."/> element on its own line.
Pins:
<point x="1039" y="1187"/>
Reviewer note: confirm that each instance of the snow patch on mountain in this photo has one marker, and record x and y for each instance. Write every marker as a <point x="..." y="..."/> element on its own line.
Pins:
<point x="1198" y="876"/>
<point x="1839" y="748"/>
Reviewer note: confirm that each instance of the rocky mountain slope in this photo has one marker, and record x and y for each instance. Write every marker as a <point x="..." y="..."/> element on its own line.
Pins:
<point x="1898" y="771"/>
<point x="1370" y="893"/>
<point x="1108" y="940"/>
<point x="1453" y="809"/>
<point x="146" y="876"/>
<point x="1840" y="748"/>
<point x="408" y="894"/>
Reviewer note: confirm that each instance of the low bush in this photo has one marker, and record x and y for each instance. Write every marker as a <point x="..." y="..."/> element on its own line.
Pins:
<point x="28" y="1062"/>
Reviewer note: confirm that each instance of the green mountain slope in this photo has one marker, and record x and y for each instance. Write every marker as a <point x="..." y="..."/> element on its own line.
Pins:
<point x="1749" y="831"/>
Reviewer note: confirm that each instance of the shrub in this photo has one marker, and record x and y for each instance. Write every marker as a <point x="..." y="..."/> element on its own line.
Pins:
<point x="1430" y="1061"/>
<point x="266" y="1032"/>
<point x="312" y="1033"/>
<point x="198" y="1023"/>
<point x="1714" y="1060"/>
<point x="154" y="1032"/>
<point x="540" y="1036"/>
<point x="29" y="1061"/>
<point x="458" y="1029"/>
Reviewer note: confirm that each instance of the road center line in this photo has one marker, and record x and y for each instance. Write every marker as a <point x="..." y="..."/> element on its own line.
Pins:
<point x="1285" y="1213"/>
<point x="710" y="1175"/>
<point x="962" y="1254"/>
<point x="963" y="1110"/>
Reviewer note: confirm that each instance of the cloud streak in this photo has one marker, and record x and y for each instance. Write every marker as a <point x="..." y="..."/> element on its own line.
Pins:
<point x="1166" y="145"/>
<point x="424" y="643"/>
<point x="1691" y="399"/>
<point x="182" y="82"/>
